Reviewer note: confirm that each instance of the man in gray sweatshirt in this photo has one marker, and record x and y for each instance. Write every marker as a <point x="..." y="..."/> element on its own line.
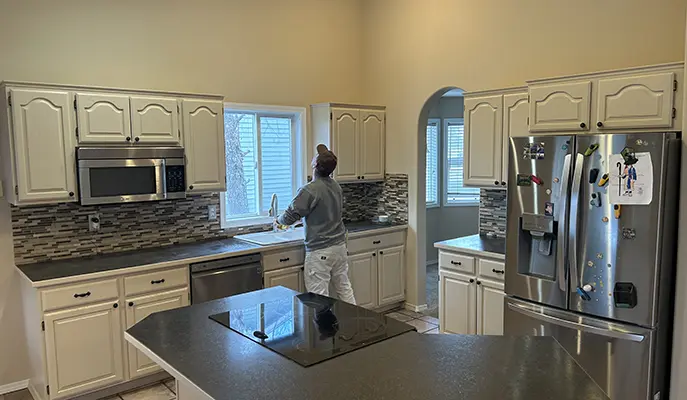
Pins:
<point x="320" y="203"/>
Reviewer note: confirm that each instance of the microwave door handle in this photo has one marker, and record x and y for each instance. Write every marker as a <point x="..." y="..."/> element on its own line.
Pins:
<point x="574" y="217"/>
<point x="163" y="169"/>
<point x="563" y="224"/>
<point x="160" y="178"/>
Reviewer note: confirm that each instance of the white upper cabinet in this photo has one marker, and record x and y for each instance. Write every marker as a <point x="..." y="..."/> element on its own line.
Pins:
<point x="638" y="101"/>
<point x="345" y="129"/>
<point x="203" y="122"/>
<point x="372" y="145"/>
<point x="362" y="271"/>
<point x="391" y="275"/>
<point x="103" y="118"/>
<point x="516" y="112"/>
<point x="483" y="141"/>
<point x="559" y="107"/>
<point x="43" y="148"/>
<point x="155" y="120"/>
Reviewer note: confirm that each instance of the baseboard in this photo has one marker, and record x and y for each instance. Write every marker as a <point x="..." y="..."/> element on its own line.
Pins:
<point x="14" y="386"/>
<point x="413" y="307"/>
<point x="34" y="392"/>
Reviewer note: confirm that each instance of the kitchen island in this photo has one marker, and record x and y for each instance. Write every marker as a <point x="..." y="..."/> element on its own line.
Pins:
<point x="210" y="361"/>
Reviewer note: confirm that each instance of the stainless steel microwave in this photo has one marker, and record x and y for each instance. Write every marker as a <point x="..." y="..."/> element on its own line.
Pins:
<point x="123" y="174"/>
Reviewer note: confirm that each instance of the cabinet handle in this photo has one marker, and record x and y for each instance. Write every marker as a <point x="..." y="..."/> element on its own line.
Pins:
<point x="284" y="259"/>
<point x="456" y="262"/>
<point x="599" y="124"/>
<point x="131" y="304"/>
<point x="157" y="281"/>
<point x="479" y="283"/>
<point x="472" y="281"/>
<point x="128" y="138"/>
<point x="190" y="187"/>
<point x="583" y="125"/>
<point x="137" y="139"/>
<point x="376" y="241"/>
<point x="77" y="295"/>
<point x="115" y="305"/>
<point x="496" y="182"/>
<point x="71" y="194"/>
<point x="498" y="271"/>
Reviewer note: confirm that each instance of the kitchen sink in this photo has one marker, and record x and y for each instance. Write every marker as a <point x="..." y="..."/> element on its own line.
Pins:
<point x="269" y="238"/>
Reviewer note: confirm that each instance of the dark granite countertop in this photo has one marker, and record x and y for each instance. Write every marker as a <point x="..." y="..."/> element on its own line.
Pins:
<point x="191" y="252"/>
<point x="226" y="365"/>
<point x="475" y="244"/>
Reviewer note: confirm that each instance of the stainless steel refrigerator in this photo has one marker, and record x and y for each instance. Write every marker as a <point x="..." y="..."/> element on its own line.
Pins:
<point x="590" y="253"/>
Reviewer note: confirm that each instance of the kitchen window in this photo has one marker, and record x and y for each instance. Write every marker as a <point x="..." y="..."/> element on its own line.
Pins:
<point x="454" y="191"/>
<point x="264" y="149"/>
<point x="432" y="163"/>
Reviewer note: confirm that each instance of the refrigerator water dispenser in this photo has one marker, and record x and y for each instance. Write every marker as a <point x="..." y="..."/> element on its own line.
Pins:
<point x="537" y="245"/>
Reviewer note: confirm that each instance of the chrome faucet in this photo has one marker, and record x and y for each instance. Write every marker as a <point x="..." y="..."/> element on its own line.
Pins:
<point x="274" y="206"/>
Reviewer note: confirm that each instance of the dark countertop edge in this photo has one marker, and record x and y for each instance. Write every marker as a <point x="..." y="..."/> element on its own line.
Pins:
<point x="470" y="247"/>
<point x="361" y="232"/>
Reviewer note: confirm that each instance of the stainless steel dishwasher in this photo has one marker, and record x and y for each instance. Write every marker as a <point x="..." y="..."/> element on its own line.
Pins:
<point x="216" y="279"/>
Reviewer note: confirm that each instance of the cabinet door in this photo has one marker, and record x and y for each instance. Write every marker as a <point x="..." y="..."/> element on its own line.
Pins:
<point x="155" y="120"/>
<point x="44" y="142"/>
<point x="490" y="308"/>
<point x="103" y="118"/>
<point x="140" y="307"/>
<point x="391" y="275"/>
<point x="457" y="304"/>
<point x="516" y="113"/>
<point x="291" y="278"/>
<point x="644" y="101"/>
<point x="483" y="142"/>
<point x="372" y="145"/>
<point x="362" y="271"/>
<point x="560" y="107"/>
<point x="204" y="146"/>
<point x="83" y="349"/>
<point x="345" y="134"/>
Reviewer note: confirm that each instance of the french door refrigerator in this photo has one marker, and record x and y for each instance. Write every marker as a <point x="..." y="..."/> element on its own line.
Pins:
<point x="590" y="252"/>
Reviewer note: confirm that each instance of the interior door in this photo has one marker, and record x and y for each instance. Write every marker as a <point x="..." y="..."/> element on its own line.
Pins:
<point x="616" y="260"/>
<point x="345" y="136"/>
<point x="538" y="188"/>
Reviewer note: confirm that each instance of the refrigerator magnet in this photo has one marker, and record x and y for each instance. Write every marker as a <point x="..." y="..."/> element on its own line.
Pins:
<point x="536" y="179"/>
<point x="616" y="210"/>
<point x="593" y="174"/>
<point x="548" y="209"/>
<point x="604" y="180"/>
<point x="591" y="149"/>
<point x="596" y="199"/>
<point x="523" y="180"/>
<point x="604" y="219"/>
<point x="533" y="151"/>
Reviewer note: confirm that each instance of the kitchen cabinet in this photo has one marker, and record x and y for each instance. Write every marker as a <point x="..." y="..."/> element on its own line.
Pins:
<point x="83" y="348"/>
<point x="357" y="135"/>
<point x="203" y="122"/>
<point x="638" y="101"/>
<point x="491" y="118"/>
<point x="291" y="277"/>
<point x="38" y="147"/>
<point x="140" y="307"/>
<point x="103" y="118"/>
<point x="560" y="106"/>
<point x="362" y="271"/>
<point x="391" y="273"/>
<point x="470" y="299"/>
<point x="155" y="120"/>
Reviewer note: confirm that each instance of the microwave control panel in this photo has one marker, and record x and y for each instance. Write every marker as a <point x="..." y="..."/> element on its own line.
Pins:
<point x="175" y="178"/>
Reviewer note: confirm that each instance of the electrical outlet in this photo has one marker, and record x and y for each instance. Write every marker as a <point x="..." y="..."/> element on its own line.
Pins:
<point x="212" y="213"/>
<point x="94" y="222"/>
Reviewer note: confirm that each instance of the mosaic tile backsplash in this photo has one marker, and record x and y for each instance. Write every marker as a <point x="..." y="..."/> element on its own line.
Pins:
<point x="492" y="212"/>
<point x="59" y="231"/>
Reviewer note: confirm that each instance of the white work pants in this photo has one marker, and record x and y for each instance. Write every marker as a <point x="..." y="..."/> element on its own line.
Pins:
<point x="325" y="265"/>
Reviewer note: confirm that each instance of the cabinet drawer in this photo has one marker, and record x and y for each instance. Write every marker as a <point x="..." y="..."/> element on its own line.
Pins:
<point x="76" y="295"/>
<point x="491" y="269"/>
<point x="368" y="243"/>
<point x="154" y="281"/>
<point x="283" y="259"/>
<point x="457" y="262"/>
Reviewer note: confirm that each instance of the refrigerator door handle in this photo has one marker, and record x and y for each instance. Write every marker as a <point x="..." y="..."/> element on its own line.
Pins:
<point x="576" y="325"/>
<point x="563" y="224"/>
<point x="574" y="216"/>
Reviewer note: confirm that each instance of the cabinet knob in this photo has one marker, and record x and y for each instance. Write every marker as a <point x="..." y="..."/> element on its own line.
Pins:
<point x="362" y="177"/>
<point x="583" y="125"/>
<point x="115" y="305"/>
<point x="131" y="304"/>
<point x="358" y="177"/>
<point x="472" y="280"/>
<point x="381" y="252"/>
<point x="71" y="194"/>
<point x="128" y="138"/>
<point x="503" y="183"/>
<point x="374" y="254"/>
<point x="496" y="182"/>
<point x="137" y="139"/>
<point x="190" y="187"/>
<point x="599" y="124"/>
<point x="479" y="283"/>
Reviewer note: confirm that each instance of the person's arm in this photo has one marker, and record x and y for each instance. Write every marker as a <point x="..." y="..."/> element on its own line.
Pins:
<point x="299" y="208"/>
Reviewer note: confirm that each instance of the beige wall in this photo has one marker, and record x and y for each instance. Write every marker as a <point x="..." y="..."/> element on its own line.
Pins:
<point x="294" y="52"/>
<point x="414" y="48"/>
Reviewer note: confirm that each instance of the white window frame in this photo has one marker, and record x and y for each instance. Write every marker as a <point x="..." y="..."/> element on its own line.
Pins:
<point x="466" y="200"/>
<point x="299" y="145"/>
<point x="440" y="165"/>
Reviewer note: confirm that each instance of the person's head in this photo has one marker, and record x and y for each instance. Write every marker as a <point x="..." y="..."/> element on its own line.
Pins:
<point x="324" y="162"/>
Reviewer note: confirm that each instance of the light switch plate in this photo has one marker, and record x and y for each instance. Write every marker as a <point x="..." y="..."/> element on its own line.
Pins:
<point x="212" y="213"/>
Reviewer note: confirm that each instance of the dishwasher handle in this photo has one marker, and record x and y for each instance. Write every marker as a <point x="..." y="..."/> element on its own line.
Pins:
<point x="220" y="271"/>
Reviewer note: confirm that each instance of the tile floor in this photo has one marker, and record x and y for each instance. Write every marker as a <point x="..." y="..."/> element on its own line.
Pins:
<point x="165" y="390"/>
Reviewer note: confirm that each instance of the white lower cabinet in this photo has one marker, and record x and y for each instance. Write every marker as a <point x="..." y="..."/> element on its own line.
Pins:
<point x="83" y="348"/>
<point x="471" y="304"/>
<point x="362" y="271"/>
<point x="391" y="276"/>
<point x="291" y="277"/>
<point x="137" y="308"/>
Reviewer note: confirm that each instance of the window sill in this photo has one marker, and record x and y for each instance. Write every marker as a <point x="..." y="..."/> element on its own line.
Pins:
<point x="246" y="223"/>
<point x="435" y="205"/>
<point x="463" y="204"/>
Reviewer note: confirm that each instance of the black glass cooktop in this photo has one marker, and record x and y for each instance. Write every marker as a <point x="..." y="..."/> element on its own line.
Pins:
<point x="309" y="328"/>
